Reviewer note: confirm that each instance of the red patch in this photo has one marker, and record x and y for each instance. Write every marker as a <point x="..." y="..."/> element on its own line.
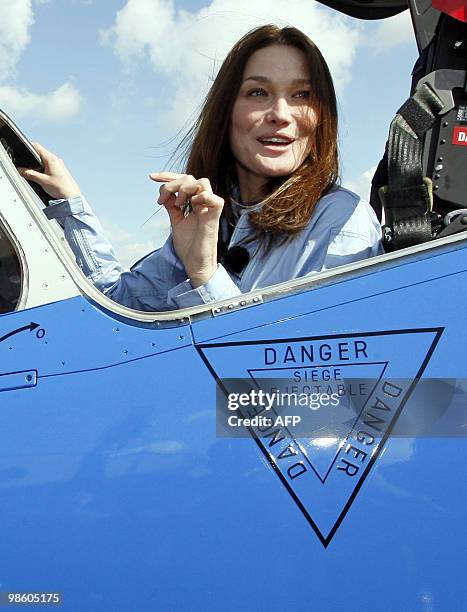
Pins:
<point x="455" y="8"/>
<point x="459" y="136"/>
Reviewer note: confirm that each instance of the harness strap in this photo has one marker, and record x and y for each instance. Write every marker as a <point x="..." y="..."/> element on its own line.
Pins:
<point x="407" y="198"/>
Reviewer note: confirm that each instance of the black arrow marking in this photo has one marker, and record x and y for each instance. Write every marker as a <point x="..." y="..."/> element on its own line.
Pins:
<point x="31" y="326"/>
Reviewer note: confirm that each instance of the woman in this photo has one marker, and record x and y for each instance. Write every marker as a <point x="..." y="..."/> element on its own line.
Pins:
<point x="259" y="203"/>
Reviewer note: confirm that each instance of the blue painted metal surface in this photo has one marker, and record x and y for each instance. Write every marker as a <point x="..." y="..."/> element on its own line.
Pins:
<point x="117" y="492"/>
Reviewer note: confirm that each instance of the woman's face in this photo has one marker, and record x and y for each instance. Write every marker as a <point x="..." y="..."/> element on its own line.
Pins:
<point x="272" y="121"/>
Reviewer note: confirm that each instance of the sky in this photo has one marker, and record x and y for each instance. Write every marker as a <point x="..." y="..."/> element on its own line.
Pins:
<point x="111" y="85"/>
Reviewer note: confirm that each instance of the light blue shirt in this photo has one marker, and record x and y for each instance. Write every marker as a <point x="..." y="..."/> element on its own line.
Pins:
<point x="343" y="229"/>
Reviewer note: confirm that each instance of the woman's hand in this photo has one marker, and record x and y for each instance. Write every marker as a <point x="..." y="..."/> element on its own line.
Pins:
<point x="55" y="180"/>
<point x="195" y="234"/>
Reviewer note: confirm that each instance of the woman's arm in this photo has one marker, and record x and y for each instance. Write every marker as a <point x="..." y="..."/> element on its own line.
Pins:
<point x="158" y="281"/>
<point x="146" y="286"/>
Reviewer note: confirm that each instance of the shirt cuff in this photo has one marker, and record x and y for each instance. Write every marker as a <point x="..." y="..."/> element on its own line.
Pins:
<point x="66" y="207"/>
<point x="219" y="287"/>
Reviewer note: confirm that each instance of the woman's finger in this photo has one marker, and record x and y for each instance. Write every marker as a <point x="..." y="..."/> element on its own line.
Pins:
<point x="171" y="189"/>
<point x="34" y="175"/>
<point x="46" y="156"/>
<point x="187" y="190"/>
<point x="175" y="214"/>
<point x="166" y="196"/>
<point x="173" y="182"/>
<point x="207" y="201"/>
<point x="43" y="152"/>
<point x="164" y="177"/>
<point x="205" y="184"/>
<point x="181" y="189"/>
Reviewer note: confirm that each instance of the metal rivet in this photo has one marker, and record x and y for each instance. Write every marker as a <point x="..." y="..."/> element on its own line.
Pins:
<point x="125" y="352"/>
<point x="445" y="124"/>
<point x="437" y="176"/>
<point x="230" y="306"/>
<point x="116" y="329"/>
<point x="442" y="141"/>
<point x="435" y="187"/>
<point x="243" y="303"/>
<point x="45" y="286"/>
<point x="439" y="167"/>
<point x="440" y="159"/>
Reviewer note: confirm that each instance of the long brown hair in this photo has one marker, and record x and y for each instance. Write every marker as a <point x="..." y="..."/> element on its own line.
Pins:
<point x="291" y="199"/>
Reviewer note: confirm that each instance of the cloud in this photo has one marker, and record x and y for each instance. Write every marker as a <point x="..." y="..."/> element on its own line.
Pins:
<point x="59" y="105"/>
<point x="188" y="47"/>
<point x="15" y="24"/>
<point x="64" y="102"/>
<point x="163" y="447"/>
<point x="362" y="184"/>
<point x="392" y="32"/>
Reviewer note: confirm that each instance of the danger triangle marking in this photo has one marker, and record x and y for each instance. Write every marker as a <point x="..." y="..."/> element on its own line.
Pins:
<point x="328" y="427"/>
<point x="394" y="360"/>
